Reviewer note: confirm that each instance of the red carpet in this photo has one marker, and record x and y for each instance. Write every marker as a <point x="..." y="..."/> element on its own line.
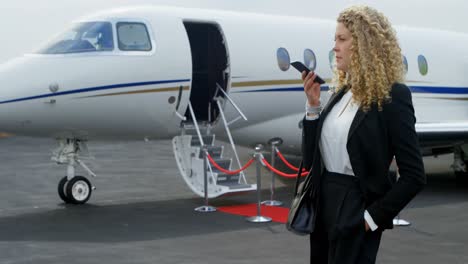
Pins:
<point x="277" y="214"/>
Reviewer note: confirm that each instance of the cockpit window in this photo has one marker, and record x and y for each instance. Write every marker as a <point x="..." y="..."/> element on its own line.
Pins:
<point x="83" y="37"/>
<point x="133" y="36"/>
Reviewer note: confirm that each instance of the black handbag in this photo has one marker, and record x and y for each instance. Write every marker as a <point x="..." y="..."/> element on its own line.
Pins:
<point x="303" y="212"/>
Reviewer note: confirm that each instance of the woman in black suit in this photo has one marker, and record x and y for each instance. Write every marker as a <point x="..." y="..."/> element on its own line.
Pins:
<point x="351" y="142"/>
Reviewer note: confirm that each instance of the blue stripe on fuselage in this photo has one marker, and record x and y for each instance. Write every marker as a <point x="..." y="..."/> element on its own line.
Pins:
<point x="414" y="89"/>
<point x="91" y="89"/>
<point x="439" y="90"/>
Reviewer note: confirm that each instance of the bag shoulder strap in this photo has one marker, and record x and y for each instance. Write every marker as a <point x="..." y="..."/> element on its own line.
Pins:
<point x="297" y="179"/>
<point x="309" y="181"/>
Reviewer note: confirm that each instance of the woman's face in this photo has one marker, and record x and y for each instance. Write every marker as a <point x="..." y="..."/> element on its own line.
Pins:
<point x="343" y="41"/>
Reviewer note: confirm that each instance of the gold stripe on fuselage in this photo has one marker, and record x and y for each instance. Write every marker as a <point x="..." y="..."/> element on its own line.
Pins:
<point x="265" y="83"/>
<point x="157" y="90"/>
<point x="233" y="85"/>
<point x="185" y="88"/>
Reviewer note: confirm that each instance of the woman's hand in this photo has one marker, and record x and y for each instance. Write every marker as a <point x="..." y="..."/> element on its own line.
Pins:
<point x="311" y="88"/>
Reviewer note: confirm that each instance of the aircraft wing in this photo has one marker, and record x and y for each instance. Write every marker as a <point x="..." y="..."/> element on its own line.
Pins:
<point x="439" y="138"/>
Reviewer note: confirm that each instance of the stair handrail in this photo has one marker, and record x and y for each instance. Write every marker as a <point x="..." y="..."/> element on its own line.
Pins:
<point x="197" y="128"/>
<point x="219" y="88"/>
<point x="180" y="116"/>
<point x="242" y="175"/>
<point x="196" y="124"/>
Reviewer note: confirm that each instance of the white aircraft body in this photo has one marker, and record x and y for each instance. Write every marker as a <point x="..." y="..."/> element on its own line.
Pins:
<point x="136" y="73"/>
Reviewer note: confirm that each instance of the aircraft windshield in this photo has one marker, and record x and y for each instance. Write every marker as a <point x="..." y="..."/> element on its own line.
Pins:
<point x="83" y="37"/>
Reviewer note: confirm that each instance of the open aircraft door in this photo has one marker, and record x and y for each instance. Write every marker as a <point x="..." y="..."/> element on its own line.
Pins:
<point x="208" y="95"/>
<point x="210" y="69"/>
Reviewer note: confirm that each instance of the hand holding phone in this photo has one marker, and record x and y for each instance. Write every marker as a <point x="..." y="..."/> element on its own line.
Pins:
<point x="311" y="89"/>
<point x="301" y="67"/>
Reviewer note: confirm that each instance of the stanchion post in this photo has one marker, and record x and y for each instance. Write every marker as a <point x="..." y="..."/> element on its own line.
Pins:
<point x="274" y="142"/>
<point x="397" y="221"/>
<point x="258" y="218"/>
<point x="205" y="208"/>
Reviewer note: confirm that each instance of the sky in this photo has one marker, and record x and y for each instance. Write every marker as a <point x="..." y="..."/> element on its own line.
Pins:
<point x="26" y="24"/>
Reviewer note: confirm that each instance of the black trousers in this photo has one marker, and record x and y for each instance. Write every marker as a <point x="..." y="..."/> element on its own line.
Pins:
<point x="340" y="236"/>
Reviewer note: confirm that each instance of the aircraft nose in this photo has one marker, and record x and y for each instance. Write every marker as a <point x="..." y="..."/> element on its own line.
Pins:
<point x="11" y="79"/>
<point x="24" y="90"/>
<point x="24" y="77"/>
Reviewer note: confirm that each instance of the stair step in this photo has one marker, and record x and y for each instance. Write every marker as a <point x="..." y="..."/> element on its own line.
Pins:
<point x="190" y="129"/>
<point x="208" y="140"/>
<point x="227" y="178"/>
<point x="223" y="163"/>
<point x="215" y="152"/>
<point x="193" y="132"/>
<point x="236" y="185"/>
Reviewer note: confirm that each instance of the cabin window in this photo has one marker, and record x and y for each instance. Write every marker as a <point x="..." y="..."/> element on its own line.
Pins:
<point x="283" y="58"/>
<point x="82" y="37"/>
<point x="133" y="36"/>
<point x="422" y="64"/>
<point x="309" y="59"/>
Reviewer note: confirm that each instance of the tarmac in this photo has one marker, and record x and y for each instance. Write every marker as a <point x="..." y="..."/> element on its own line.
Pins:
<point x="142" y="212"/>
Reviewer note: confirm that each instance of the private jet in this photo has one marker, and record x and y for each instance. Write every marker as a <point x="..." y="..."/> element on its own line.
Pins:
<point x="197" y="75"/>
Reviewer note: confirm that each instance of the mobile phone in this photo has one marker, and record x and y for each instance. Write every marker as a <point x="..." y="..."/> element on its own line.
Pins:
<point x="301" y="67"/>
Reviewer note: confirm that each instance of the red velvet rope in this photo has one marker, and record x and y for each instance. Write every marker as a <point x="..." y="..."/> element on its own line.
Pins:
<point x="228" y="171"/>
<point x="294" y="175"/>
<point x="286" y="162"/>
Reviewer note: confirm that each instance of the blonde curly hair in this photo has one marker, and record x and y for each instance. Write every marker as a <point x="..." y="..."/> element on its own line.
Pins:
<point x="376" y="59"/>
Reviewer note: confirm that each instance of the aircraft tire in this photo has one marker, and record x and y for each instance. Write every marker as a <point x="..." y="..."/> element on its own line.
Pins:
<point x="62" y="185"/>
<point x="78" y="190"/>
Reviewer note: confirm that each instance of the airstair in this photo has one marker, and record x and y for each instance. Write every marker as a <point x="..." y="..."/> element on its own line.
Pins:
<point x="188" y="151"/>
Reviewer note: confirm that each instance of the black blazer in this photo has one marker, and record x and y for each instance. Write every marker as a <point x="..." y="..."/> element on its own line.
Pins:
<point x="374" y="139"/>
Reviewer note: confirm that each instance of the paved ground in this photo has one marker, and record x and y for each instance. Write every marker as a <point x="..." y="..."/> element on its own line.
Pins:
<point x="142" y="212"/>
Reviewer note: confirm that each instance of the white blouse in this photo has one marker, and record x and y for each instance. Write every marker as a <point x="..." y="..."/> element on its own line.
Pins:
<point x="333" y="141"/>
<point x="334" y="135"/>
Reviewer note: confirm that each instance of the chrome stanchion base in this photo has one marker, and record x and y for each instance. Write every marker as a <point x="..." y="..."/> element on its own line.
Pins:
<point x="205" y="209"/>
<point x="400" y="222"/>
<point x="272" y="203"/>
<point x="258" y="219"/>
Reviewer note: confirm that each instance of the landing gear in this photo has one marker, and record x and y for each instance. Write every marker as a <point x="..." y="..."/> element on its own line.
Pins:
<point x="73" y="189"/>
<point x="62" y="185"/>
<point x="76" y="191"/>
<point x="460" y="164"/>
